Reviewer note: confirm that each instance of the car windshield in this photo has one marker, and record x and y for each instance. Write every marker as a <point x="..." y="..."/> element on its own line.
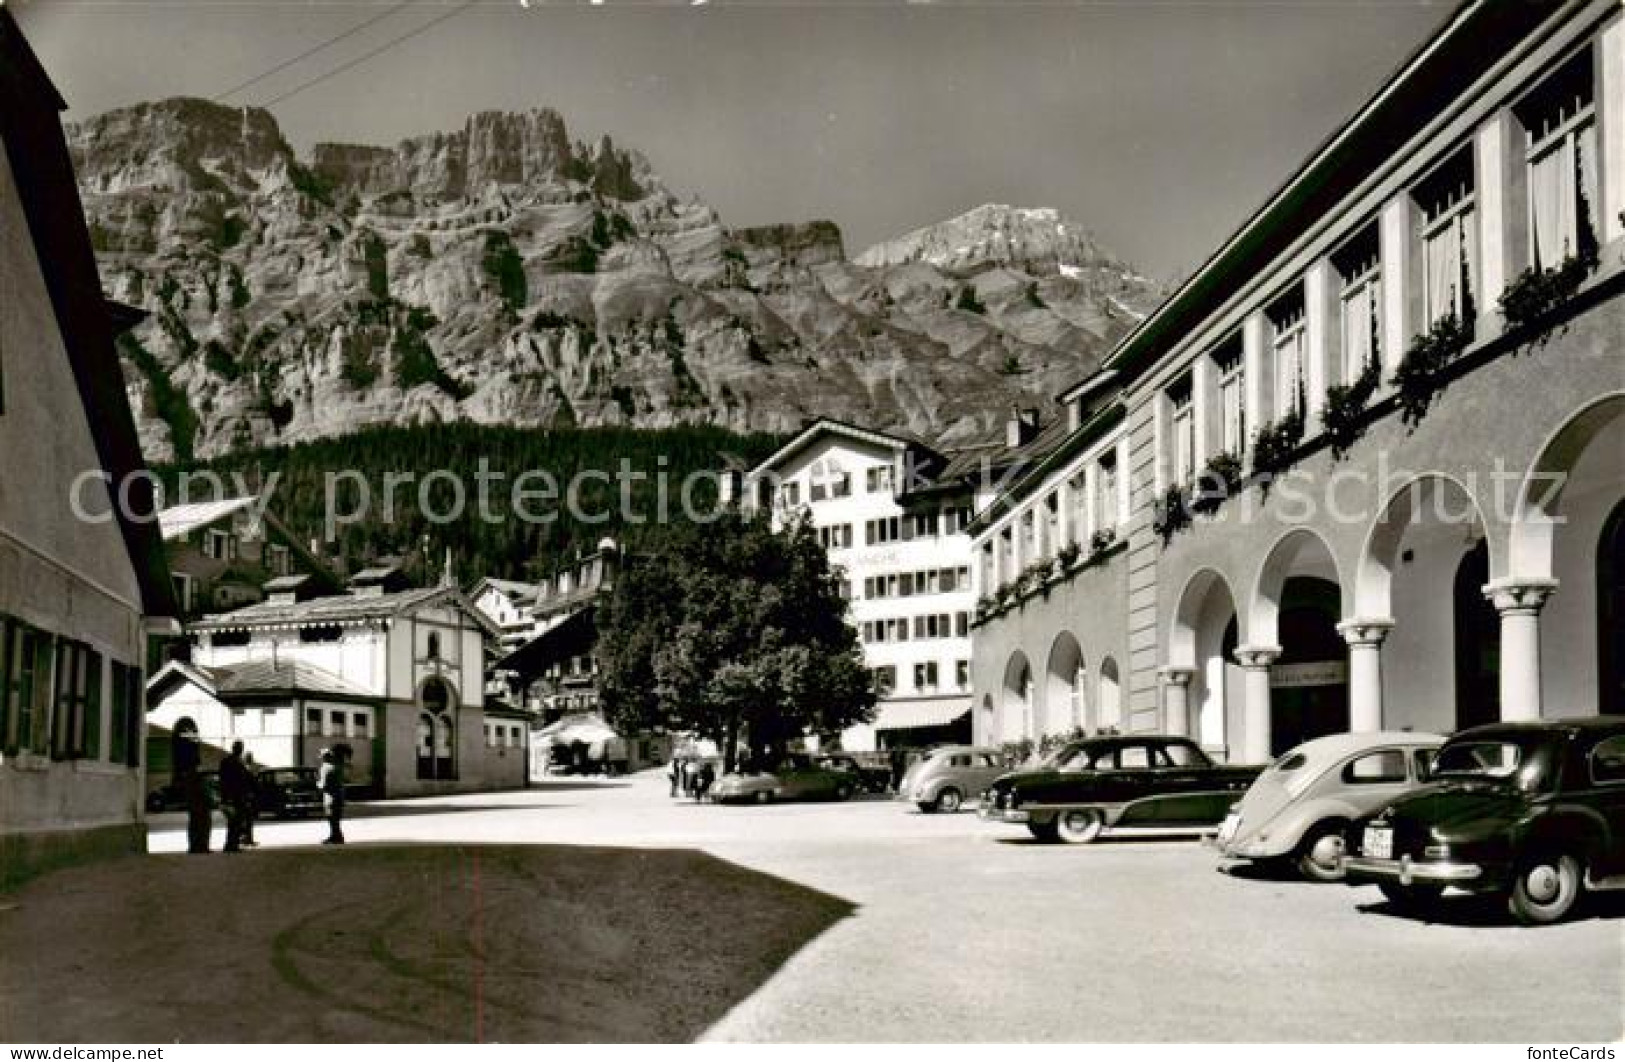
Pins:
<point x="1523" y="762"/>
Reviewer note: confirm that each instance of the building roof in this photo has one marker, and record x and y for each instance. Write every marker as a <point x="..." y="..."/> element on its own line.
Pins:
<point x="339" y="608"/>
<point x="259" y="678"/>
<point x="831" y="426"/>
<point x="32" y="131"/>
<point x="1471" y="40"/>
<point x="178" y="521"/>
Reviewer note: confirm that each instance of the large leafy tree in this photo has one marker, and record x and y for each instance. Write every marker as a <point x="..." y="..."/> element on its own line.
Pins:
<point x="736" y="632"/>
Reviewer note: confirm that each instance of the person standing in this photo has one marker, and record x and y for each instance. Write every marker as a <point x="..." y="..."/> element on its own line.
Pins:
<point x="236" y="786"/>
<point x="253" y="804"/>
<point x="186" y="756"/>
<point x="674" y="773"/>
<point x="330" y="780"/>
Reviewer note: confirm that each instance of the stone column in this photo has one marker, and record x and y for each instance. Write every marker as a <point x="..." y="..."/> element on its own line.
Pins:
<point x="1519" y="601"/>
<point x="1365" y="637"/>
<point x="1255" y="661"/>
<point x="1176" y="698"/>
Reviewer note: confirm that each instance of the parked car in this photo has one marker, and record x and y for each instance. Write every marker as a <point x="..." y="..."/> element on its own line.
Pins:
<point x="872" y="778"/>
<point x="1110" y="783"/>
<point x="796" y="776"/>
<point x="288" y="791"/>
<point x="1533" y="811"/>
<point x="1300" y="806"/>
<point x="171" y="797"/>
<point x="944" y="778"/>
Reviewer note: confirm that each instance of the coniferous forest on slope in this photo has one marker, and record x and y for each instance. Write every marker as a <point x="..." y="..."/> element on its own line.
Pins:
<point x="508" y="544"/>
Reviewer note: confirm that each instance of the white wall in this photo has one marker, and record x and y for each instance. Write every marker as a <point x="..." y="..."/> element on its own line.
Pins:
<point x="57" y="573"/>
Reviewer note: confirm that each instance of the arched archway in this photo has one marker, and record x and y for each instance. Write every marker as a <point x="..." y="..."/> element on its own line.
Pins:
<point x="1203" y="639"/>
<point x="1016" y="716"/>
<point x="1292" y="618"/>
<point x="1564" y="558"/>
<point x="1109" y="702"/>
<point x="437" y="730"/>
<point x="1065" y="689"/>
<point x="1425" y="549"/>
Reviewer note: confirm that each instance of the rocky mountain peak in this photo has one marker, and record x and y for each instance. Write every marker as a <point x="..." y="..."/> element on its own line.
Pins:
<point x="178" y="145"/>
<point x="1038" y="240"/>
<point x="507" y="272"/>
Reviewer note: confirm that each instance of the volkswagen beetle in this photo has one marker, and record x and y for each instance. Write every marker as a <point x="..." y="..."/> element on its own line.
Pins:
<point x="1298" y="809"/>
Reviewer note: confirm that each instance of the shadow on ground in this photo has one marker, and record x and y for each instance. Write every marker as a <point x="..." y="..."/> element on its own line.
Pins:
<point x="393" y="943"/>
<point x="1484" y="911"/>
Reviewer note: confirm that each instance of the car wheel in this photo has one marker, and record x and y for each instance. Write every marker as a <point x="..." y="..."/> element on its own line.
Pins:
<point x="1545" y="889"/>
<point x="949" y="799"/>
<point x="1042" y="831"/>
<point x="925" y="806"/>
<point x="1079" y="826"/>
<point x="1411" y="897"/>
<point x="1320" y="856"/>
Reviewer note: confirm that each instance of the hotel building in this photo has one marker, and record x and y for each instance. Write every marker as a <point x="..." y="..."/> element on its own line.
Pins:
<point x="1366" y="467"/>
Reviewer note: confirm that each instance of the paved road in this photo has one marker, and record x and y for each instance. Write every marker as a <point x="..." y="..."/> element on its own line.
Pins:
<point x="967" y="931"/>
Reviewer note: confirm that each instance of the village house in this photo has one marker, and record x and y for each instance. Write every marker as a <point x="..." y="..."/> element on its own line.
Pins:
<point x="398" y="674"/>
<point x="83" y="584"/>
<point x="553" y="671"/>
<point x="224" y="552"/>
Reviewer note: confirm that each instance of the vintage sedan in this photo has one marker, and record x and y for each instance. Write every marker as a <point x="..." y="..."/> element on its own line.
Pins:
<point x="1534" y="812"/>
<point x="796" y="776"/>
<point x="944" y="778"/>
<point x="287" y="792"/>
<point x="1298" y="809"/>
<point x="1140" y="782"/>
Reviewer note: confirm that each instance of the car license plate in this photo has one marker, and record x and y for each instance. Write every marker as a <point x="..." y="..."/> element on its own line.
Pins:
<point x="1227" y="829"/>
<point x="1378" y="842"/>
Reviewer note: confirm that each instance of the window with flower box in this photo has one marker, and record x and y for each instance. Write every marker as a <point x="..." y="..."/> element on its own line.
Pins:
<point x="1450" y="268"/>
<point x="1289" y="341"/>
<point x="1232" y="398"/>
<point x="1359" y="265"/>
<point x="1559" y="121"/>
<point x="1182" y="432"/>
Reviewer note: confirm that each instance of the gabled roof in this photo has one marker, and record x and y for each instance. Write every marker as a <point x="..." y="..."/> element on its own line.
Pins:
<point x="341" y="609"/>
<point x="512" y="589"/>
<point x="260" y="678"/>
<point x="830" y="426"/>
<point x="49" y="195"/>
<point x="178" y="521"/>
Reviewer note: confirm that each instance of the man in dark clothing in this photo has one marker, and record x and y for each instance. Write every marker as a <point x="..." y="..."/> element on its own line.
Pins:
<point x="186" y="757"/>
<point x="236" y="789"/>
<point x="330" y="780"/>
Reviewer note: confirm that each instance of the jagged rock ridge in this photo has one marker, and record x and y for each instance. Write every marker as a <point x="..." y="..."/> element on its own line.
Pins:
<point x="505" y="273"/>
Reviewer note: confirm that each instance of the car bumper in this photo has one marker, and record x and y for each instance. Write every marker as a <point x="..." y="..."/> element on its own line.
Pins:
<point x="992" y="814"/>
<point x="1407" y="871"/>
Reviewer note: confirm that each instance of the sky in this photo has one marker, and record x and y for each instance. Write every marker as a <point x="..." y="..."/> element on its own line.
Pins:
<point x="1159" y="125"/>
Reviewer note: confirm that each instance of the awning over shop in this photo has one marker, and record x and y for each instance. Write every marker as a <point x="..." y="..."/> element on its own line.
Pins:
<point x="927" y="711"/>
<point x="571" y="637"/>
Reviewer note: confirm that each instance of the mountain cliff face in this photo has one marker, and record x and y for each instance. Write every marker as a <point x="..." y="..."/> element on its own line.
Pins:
<point x="505" y="273"/>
